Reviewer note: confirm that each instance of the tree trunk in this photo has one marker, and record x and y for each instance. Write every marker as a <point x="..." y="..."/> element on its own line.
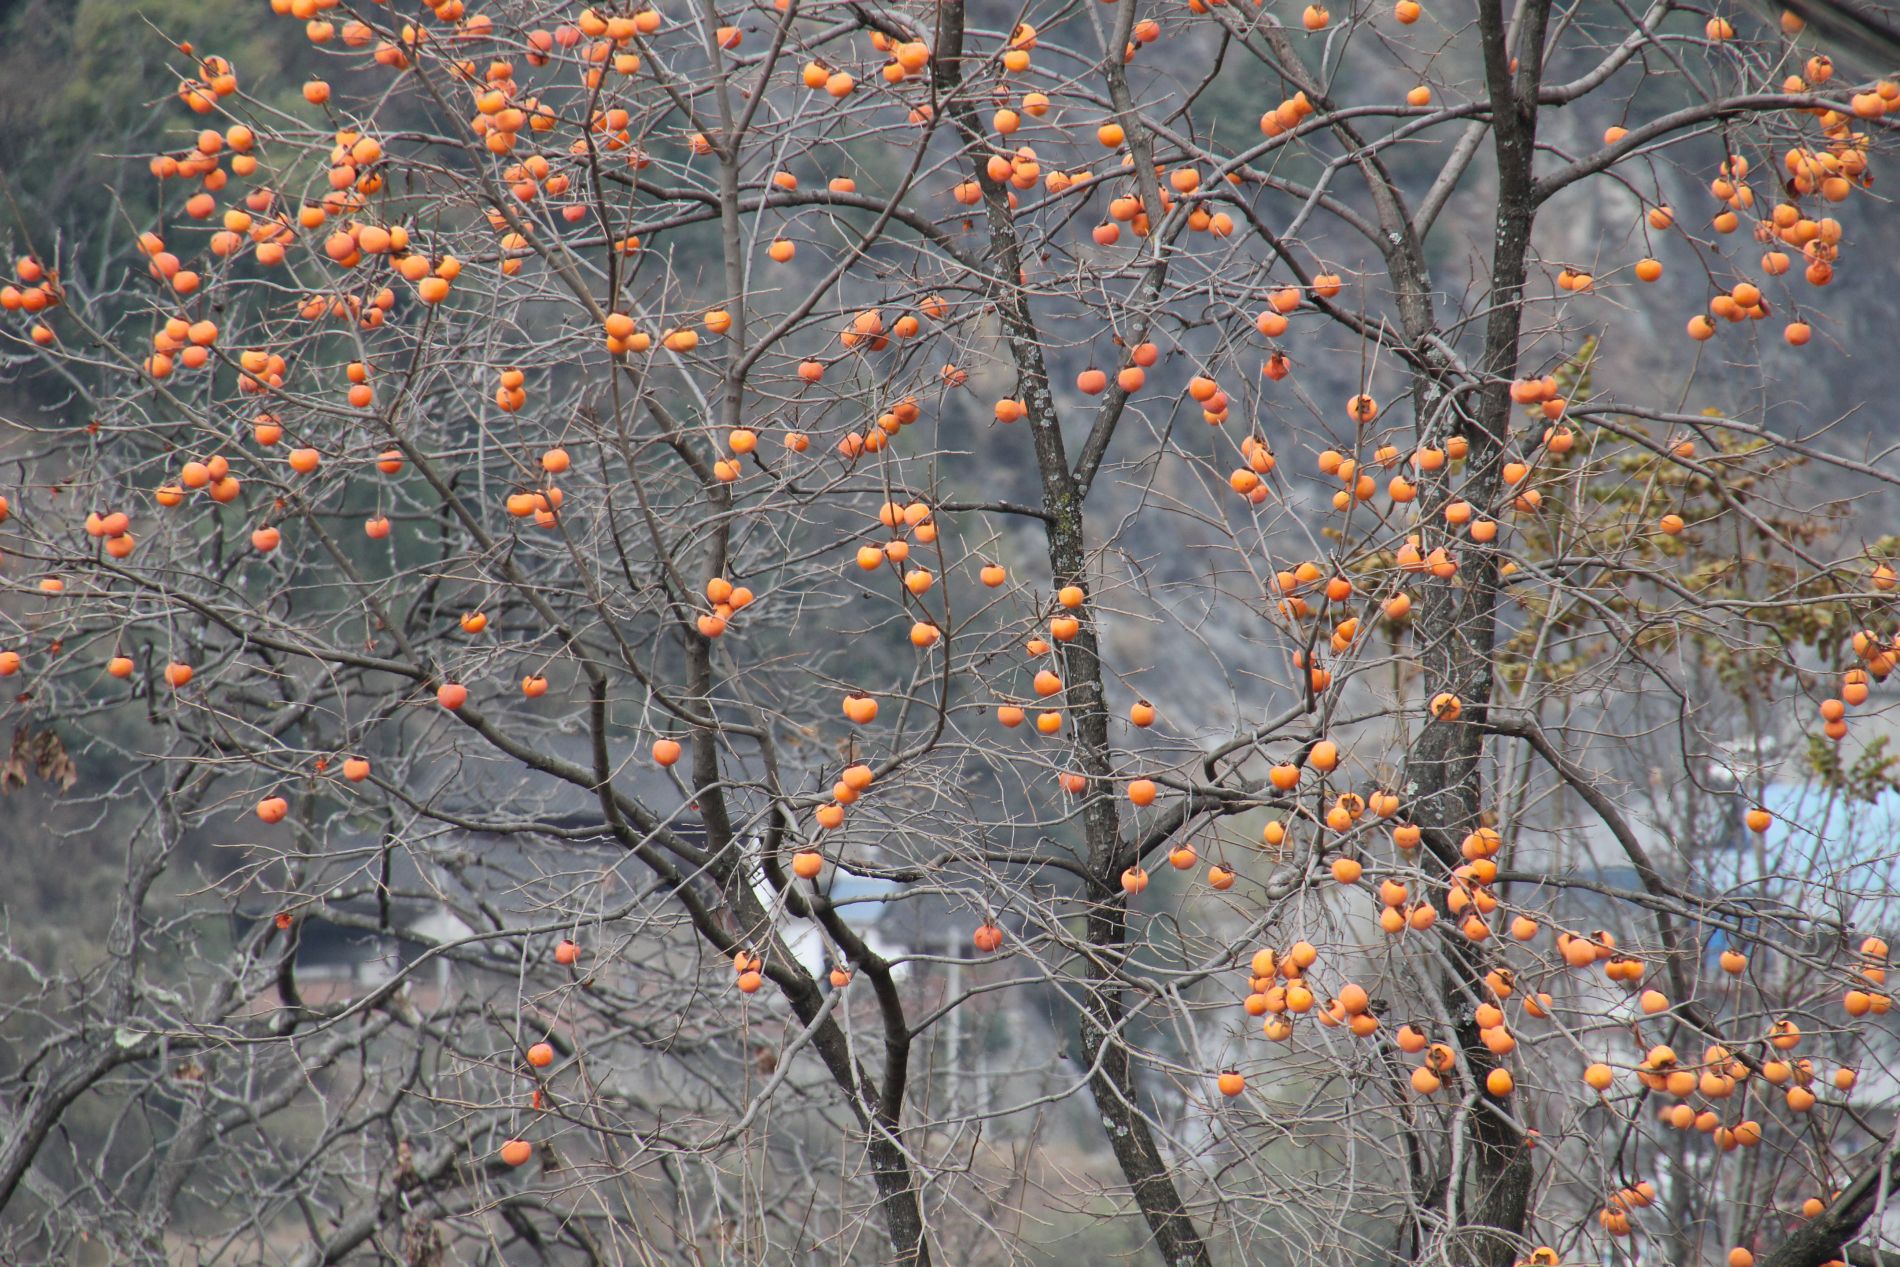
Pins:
<point x="1456" y="632"/>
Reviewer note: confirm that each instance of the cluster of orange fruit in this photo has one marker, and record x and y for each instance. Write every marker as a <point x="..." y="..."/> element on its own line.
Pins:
<point x="39" y="290"/>
<point x="1279" y="989"/>
<point x="852" y="783"/>
<point x="748" y="971"/>
<point x="727" y="600"/>
<point x="1878" y="656"/>
<point x="1831" y="171"/>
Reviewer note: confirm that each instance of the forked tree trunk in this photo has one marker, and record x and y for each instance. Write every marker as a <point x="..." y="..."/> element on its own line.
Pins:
<point x="1456" y="631"/>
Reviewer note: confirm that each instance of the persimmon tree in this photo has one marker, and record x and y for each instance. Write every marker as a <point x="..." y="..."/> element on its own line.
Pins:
<point x="1275" y="528"/>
